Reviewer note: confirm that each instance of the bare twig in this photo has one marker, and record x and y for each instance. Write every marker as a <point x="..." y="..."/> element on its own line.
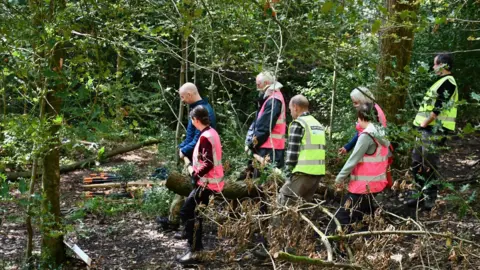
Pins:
<point x="313" y="261"/>
<point x="170" y="106"/>
<point x="323" y="237"/>
<point x="368" y="233"/>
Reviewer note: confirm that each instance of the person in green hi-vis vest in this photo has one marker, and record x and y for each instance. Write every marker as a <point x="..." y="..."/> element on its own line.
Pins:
<point x="434" y="120"/>
<point x="305" y="157"/>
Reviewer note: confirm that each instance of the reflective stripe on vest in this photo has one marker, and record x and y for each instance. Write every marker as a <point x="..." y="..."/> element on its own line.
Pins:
<point x="215" y="175"/>
<point x="276" y="140"/>
<point x="370" y="173"/>
<point x="448" y="114"/>
<point x="311" y="159"/>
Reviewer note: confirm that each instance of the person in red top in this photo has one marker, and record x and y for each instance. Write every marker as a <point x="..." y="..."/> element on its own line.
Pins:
<point x="206" y="172"/>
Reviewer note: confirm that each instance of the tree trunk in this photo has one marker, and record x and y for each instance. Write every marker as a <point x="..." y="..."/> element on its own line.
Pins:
<point x="332" y="107"/>
<point x="396" y="43"/>
<point x="31" y="191"/>
<point x="52" y="236"/>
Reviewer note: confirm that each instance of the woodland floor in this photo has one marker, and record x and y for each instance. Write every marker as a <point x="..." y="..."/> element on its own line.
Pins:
<point x="129" y="240"/>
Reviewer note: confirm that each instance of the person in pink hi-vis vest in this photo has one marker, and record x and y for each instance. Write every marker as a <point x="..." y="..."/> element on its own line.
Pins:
<point x="206" y="172"/>
<point x="365" y="172"/>
<point x="362" y="95"/>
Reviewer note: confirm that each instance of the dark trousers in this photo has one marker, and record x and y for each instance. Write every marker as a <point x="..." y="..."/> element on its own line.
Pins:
<point x="352" y="209"/>
<point x="192" y="220"/>
<point x="426" y="159"/>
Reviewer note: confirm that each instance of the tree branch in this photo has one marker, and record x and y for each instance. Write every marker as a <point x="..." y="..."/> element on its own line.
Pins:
<point x="312" y="261"/>
<point x="368" y="233"/>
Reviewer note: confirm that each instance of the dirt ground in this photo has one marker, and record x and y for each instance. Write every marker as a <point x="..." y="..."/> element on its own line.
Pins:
<point x="129" y="240"/>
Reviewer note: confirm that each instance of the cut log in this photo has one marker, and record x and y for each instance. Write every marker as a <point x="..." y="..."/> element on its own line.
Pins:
<point x="89" y="161"/>
<point x="180" y="184"/>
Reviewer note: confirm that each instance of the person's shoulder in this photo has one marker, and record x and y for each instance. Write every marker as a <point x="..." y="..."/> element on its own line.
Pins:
<point x="207" y="104"/>
<point x="365" y="136"/>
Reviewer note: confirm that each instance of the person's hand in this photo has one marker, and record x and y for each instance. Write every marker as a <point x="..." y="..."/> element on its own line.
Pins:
<point x="246" y="148"/>
<point x="190" y="170"/>
<point x="339" y="187"/>
<point x="342" y="151"/>
<point x="180" y="154"/>
<point x="424" y="123"/>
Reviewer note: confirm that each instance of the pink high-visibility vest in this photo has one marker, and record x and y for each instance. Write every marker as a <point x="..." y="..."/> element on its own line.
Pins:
<point x="383" y="120"/>
<point x="370" y="173"/>
<point x="214" y="178"/>
<point x="276" y="140"/>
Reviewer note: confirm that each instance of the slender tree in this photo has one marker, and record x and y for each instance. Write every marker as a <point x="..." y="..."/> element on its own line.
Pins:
<point x="396" y="43"/>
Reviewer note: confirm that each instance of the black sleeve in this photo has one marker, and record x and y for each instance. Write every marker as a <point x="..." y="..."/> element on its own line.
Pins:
<point x="444" y="93"/>
<point x="263" y="124"/>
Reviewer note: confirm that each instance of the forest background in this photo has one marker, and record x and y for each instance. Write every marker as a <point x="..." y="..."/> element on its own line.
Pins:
<point x="108" y="72"/>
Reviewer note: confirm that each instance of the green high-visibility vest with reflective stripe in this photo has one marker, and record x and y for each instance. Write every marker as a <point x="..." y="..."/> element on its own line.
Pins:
<point x="449" y="110"/>
<point x="311" y="159"/>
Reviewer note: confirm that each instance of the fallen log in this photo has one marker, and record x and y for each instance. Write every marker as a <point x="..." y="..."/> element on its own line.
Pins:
<point x="120" y="184"/>
<point x="312" y="261"/>
<point x="88" y="161"/>
<point x="180" y="184"/>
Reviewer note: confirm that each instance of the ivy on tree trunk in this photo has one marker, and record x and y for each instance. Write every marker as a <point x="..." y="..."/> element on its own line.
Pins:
<point x="396" y="43"/>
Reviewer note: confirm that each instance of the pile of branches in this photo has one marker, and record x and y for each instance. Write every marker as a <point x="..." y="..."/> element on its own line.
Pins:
<point x="309" y="234"/>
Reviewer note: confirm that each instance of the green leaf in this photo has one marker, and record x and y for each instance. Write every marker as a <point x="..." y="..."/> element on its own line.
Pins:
<point x="49" y="73"/>
<point x="376" y="26"/>
<point x="472" y="197"/>
<point x="4" y="191"/>
<point x="468" y="129"/>
<point x="22" y="186"/>
<point x="340" y="9"/>
<point x="476" y="96"/>
<point x="327" y="7"/>
<point x="440" y="20"/>
<point x="465" y="188"/>
<point x="58" y="120"/>
<point x="100" y="153"/>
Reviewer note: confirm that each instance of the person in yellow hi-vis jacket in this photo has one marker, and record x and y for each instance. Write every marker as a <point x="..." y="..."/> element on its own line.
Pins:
<point x="435" y="119"/>
<point x="305" y="154"/>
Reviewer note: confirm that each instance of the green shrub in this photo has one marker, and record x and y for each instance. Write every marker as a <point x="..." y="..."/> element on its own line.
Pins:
<point x="157" y="201"/>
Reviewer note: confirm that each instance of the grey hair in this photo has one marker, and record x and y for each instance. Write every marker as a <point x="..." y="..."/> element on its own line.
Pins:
<point x="266" y="76"/>
<point x="363" y="95"/>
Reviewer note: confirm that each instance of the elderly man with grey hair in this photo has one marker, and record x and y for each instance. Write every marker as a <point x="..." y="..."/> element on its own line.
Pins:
<point x="266" y="135"/>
